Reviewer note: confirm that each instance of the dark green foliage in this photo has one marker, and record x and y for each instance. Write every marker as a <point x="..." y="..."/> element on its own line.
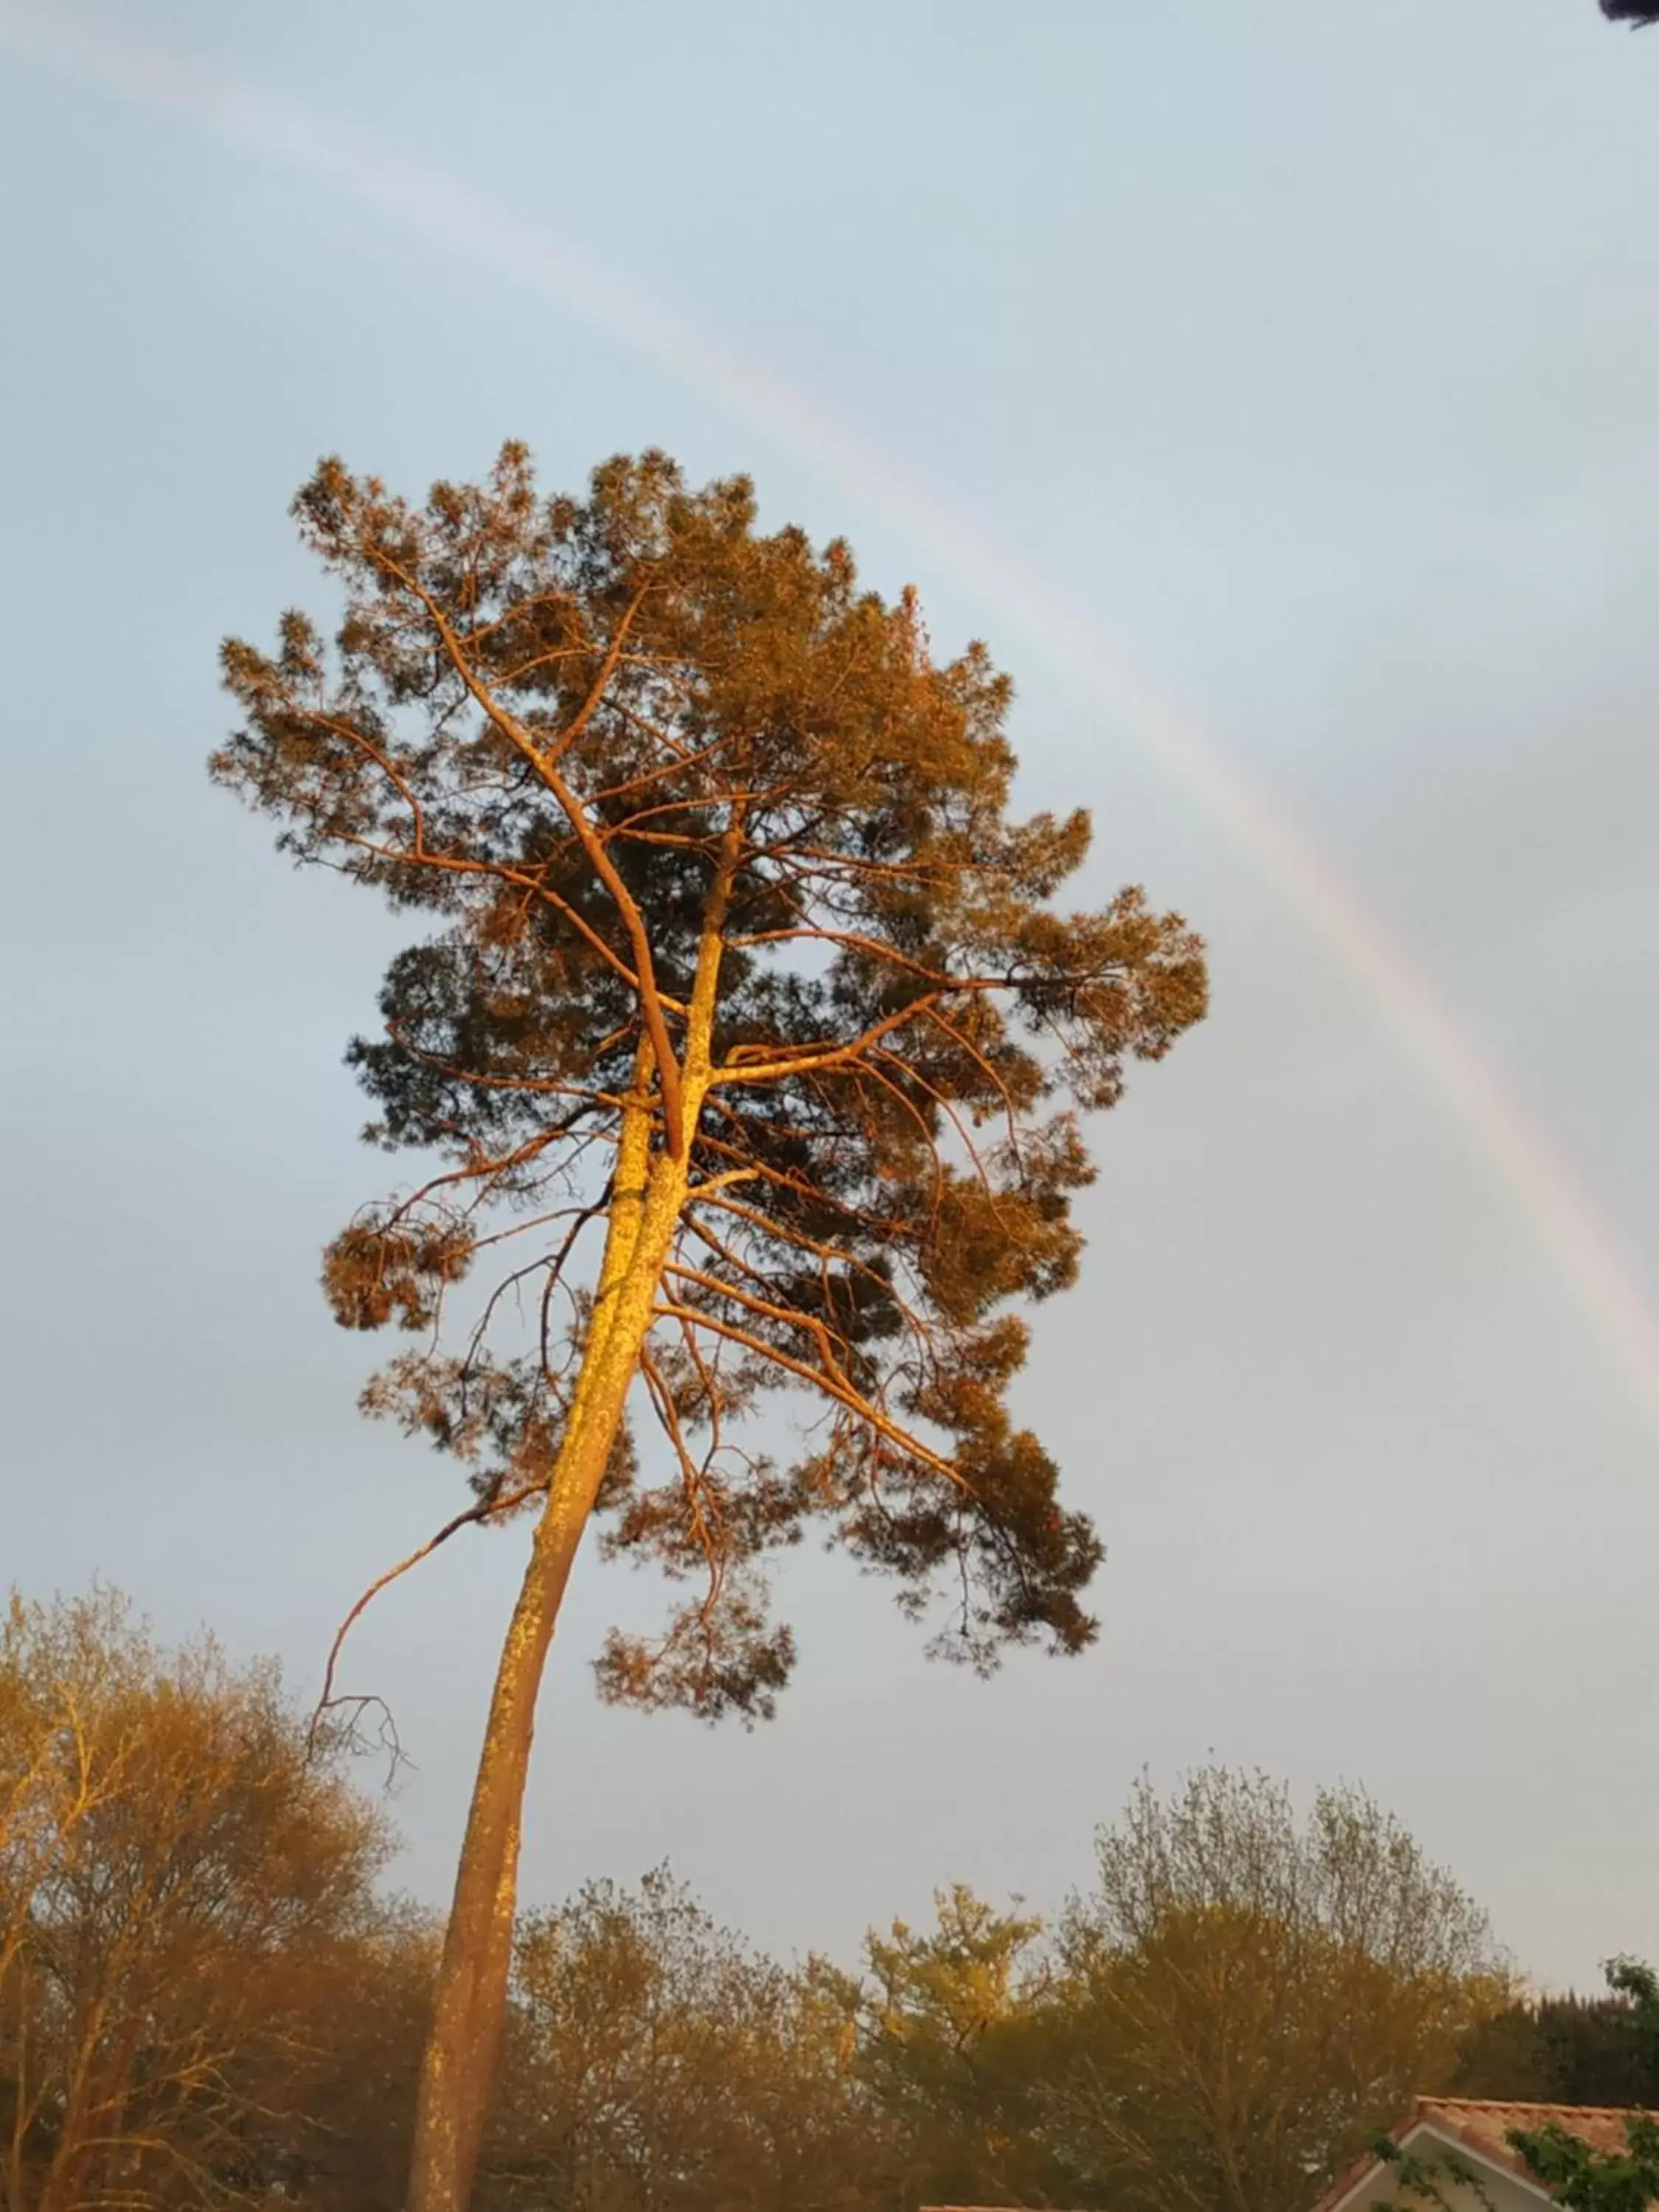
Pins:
<point x="705" y="834"/>
<point x="1573" y="2049"/>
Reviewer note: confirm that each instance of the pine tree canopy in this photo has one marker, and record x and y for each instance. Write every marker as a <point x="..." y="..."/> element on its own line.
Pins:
<point x="722" y="896"/>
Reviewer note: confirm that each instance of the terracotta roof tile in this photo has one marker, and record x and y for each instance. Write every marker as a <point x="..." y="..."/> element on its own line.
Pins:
<point x="1483" y="2125"/>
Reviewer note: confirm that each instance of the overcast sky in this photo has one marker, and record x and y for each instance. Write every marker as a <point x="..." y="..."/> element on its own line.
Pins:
<point x="1313" y="349"/>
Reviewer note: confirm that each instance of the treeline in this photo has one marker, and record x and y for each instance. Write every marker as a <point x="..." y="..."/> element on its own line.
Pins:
<point x="207" y="1999"/>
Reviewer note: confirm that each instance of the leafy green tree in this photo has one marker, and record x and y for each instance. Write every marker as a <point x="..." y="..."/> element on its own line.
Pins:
<point x="952" y="2042"/>
<point x="740" y="965"/>
<point x="1253" y="1997"/>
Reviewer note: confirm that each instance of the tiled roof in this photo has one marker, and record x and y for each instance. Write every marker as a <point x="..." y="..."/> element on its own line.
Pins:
<point x="1483" y="2126"/>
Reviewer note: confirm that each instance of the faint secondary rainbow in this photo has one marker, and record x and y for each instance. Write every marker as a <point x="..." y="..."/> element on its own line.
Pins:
<point x="446" y="211"/>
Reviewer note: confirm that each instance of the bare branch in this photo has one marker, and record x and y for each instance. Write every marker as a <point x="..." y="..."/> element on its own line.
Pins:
<point x="484" y="1511"/>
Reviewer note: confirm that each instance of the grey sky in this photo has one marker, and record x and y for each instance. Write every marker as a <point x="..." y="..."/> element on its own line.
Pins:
<point x="1315" y="348"/>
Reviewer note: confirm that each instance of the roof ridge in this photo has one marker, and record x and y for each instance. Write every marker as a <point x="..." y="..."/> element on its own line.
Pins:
<point x="1529" y="2105"/>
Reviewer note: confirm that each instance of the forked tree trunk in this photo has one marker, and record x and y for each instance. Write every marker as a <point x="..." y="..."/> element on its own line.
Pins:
<point x="469" y="2005"/>
<point x="469" y="2001"/>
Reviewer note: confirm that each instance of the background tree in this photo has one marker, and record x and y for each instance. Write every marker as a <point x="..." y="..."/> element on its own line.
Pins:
<point x="362" y="2013"/>
<point x="955" y="2043"/>
<point x="655" y="2062"/>
<point x="180" y="1883"/>
<point x="201" y="1998"/>
<point x="742" y="964"/>
<point x="1573" y="2049"/>
<point x="1256" y="1999"/>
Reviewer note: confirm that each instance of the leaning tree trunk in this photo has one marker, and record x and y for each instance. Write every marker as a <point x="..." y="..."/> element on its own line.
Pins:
<point x="469" y="2005"/>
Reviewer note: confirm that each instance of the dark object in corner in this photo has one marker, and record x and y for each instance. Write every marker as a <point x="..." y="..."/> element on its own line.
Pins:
<point x="1636" y="13"/>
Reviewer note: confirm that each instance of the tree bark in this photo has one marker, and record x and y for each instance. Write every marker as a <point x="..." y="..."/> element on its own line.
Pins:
<point x="470" y="2002"/>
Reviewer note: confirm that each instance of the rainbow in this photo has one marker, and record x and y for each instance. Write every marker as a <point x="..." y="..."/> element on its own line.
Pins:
<point x="446" y="211"/>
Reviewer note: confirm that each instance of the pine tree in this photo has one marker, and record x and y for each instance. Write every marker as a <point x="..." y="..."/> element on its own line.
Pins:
<point x="740" y="969"/>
